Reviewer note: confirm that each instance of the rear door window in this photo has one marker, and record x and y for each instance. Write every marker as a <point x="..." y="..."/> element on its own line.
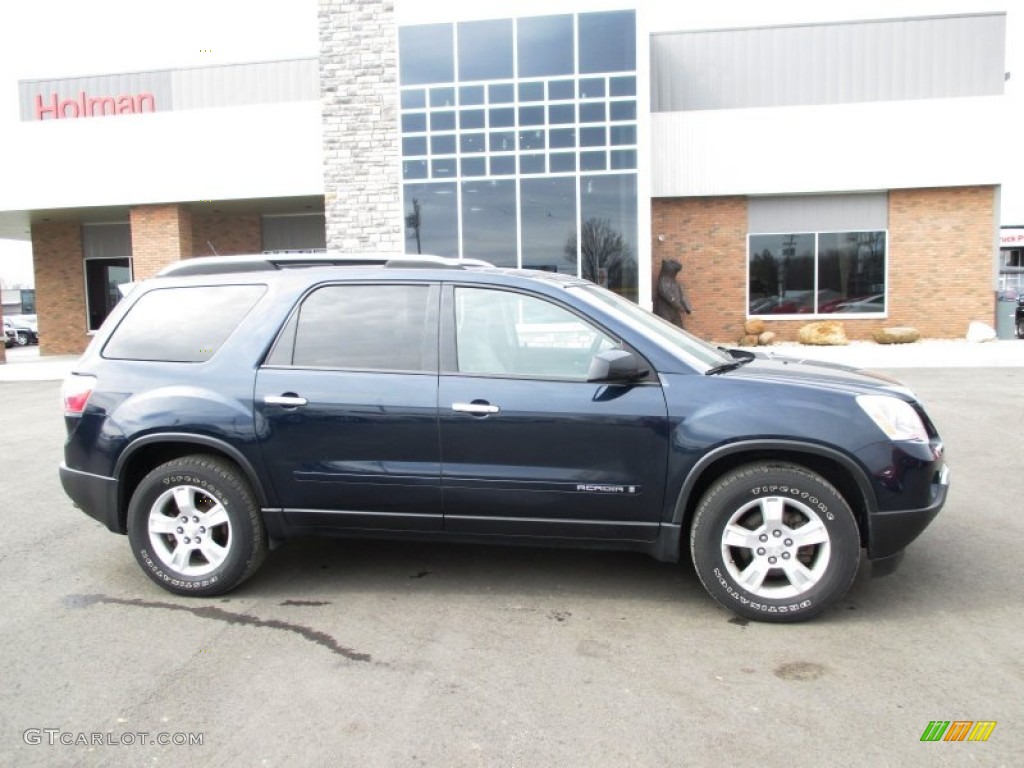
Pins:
<point x="182" y="325"/>
<point x="362" y="327"/>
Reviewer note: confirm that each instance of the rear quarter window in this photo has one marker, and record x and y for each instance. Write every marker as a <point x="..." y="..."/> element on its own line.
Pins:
<point x="181" y="325"/>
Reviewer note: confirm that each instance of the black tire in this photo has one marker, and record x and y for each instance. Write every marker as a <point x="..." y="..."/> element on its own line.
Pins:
<point x="1020" y="329"/>
<point x="798" y="572"/>
<point x="22" y="339"/>
<point x="195" y="527"/>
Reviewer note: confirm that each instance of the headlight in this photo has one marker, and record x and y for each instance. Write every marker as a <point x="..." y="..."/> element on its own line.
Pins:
<point x="895" y="417"/>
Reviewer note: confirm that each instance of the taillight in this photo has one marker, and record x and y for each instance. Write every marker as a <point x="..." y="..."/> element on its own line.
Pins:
<point x="75" y="393"/>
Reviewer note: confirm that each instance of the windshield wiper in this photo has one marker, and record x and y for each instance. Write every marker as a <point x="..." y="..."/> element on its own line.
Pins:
<point x="732" y="365"/>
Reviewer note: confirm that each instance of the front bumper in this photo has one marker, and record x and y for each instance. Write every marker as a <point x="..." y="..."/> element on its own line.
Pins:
<point x="890" y="532"/>
<point x="93" y="494"/>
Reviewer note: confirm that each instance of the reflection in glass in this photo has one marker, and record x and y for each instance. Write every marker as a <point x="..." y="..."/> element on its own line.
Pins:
<point x="623" y="159"/>
<point x="425" y="54"/>
<point x="608" y="241"/>
<point x="531" y="115"/>
<point x="442" y="121"/>
<point x="443" y="168"/>
<point x="563" y="162"/>
<point x="531" y="92"/>
<point x="502" y="141"/>
<point x="431" y="219"/>
<point x="592" y="88"/>
<point x="851" y="272"/>
<point x="545" y="46"/>
<point x="471" y="118"/>
<point x="531" y="164"/>
<point x="562" y="114"/>
<point x="414" y="123"/>
<point x="622" y="86"/>
<point x="414" y="169"/>
<point x="562" y="138"/>
<point x="548" y="210"/>
<point x="414" y="99"/>
<point x="485" y="50"/>
<point x="443" y="144"/>
<point x="781" y="274"/>
<point x="623" y="134"/>
<point x="473" y="166"/>
<point x="593" y="161"/>
<point x="414" y="145"/>
<point x="503" y="165"/>
<point x="593" y="137"/>
<point x="607" y="41"/>
<point x="623" y="110"/>
<point x="471" y="95"/>
<point x="442" y="97"/>
<point x="501" y="93"/>
<point x="503" y="118"/>
<point x="561" y="90"/>
<point x="592" y="113"/>
<point x="489" y="221"/>
<point x="531" y="139"/>
<point x="470" y="143"/>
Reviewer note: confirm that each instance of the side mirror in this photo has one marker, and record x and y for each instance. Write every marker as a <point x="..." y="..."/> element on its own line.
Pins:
<point x="615" y="365"/>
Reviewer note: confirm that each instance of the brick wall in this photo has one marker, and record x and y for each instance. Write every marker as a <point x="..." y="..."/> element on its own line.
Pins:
<point x="230" y="235"/>
<point x="708" y="236"/>
<point x="161" y="235"/>
<point x="941" y="245"/>
<point x="359" y="107"/>
<point x="60" y="287"/>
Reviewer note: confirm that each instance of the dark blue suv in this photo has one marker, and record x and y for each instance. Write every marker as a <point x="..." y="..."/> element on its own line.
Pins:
<point x="232" y="403"/>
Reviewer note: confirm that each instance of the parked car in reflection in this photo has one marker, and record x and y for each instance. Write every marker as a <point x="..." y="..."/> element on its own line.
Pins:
<point x="874" y="303"/>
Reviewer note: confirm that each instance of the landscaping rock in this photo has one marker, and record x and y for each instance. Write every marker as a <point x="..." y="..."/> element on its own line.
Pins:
<point x="979" y="332"/>
<point x="753" y="327"/>
<point x="766" y="339"/>
<point x="748" y="341"/>
<point x="827" y="333"/>
<point x="896" y="335"/>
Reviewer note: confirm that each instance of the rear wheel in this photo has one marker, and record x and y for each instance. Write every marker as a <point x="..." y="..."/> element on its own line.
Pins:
<point x="774" y="542"/>
<point x="195" y="527"/>
<point x="22" y="339"/>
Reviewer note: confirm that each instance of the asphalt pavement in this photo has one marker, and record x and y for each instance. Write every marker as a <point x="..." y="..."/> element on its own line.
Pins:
<point x="358" y="653"/>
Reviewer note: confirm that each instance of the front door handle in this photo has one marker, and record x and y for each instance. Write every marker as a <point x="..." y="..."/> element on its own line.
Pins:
<point x="476" y="408"/>
<point x="287" y="400"/>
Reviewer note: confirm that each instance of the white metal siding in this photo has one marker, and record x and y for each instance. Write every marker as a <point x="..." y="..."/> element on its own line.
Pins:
<point x="841" y="147"/>
<point x="904" y="59"/>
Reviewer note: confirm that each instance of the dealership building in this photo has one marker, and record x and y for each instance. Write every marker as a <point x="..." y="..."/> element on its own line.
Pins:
<point x="847" y="170"/>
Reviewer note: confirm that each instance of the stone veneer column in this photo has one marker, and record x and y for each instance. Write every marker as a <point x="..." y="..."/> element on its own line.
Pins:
<point x="161" y="235"/>
<point x="359" y="108"/>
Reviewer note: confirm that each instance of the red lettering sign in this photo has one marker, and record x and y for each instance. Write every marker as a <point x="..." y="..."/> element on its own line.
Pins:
<point x="55" y="108"/>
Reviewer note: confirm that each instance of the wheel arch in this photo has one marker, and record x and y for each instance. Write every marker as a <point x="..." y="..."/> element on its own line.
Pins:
<point x="149" y="452"/>
<point x="848" y="477"/>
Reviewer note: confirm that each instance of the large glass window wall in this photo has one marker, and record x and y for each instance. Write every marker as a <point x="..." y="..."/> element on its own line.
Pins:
<point x="519" y="143"/>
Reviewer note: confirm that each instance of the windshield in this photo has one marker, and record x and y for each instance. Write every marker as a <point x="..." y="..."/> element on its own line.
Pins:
<point x="694" y="350"/>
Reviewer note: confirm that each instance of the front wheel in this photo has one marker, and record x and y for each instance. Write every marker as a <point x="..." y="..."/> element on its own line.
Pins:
<point x="774" y="542"/>
<point x="22" y="339"/>
<point x="195" y="527"/>
<point x="1020" y="329"/>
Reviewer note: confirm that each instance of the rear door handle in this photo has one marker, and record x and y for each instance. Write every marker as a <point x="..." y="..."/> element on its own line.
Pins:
<point x="476" y="408"/>
<point x="288" y="400"/>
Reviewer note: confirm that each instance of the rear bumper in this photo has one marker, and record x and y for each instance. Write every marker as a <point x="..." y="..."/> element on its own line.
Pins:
<point x="93" y="494"/>
<point x="890" y="532"/>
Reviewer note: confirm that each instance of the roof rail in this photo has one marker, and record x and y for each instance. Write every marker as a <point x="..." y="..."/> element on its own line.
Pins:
<point x="219" y="265"/>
